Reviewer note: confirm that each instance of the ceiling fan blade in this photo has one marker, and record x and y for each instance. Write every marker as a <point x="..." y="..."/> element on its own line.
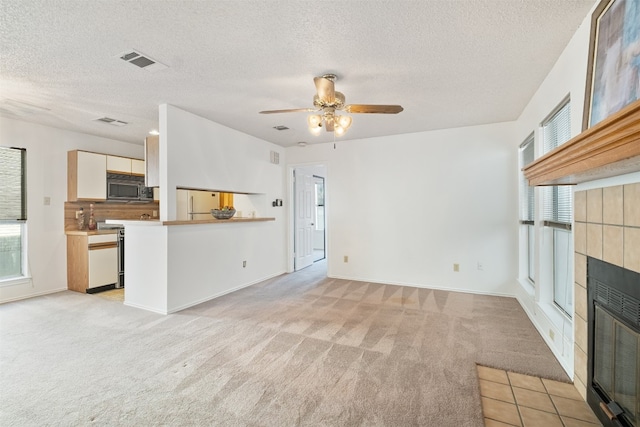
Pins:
<point x="293" y="110"/>
<point x="326" y="89"/>
<point x="376" y="109"/>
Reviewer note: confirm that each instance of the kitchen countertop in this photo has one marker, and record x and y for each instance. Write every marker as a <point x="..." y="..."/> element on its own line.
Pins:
<point x="147" y="222"/>
<point x="89" y="232"/>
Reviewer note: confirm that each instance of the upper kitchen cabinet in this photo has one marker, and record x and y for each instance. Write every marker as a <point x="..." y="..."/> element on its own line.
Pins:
<point x="86" y="176"/>
<point x="152" y="161"/>
<point x="117" y="164"/>
<point x="137" y="167"/>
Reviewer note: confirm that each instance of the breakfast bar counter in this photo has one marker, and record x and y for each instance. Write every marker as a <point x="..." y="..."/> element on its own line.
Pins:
<point x="188" y="222"/>
<point x="172" y="265"/>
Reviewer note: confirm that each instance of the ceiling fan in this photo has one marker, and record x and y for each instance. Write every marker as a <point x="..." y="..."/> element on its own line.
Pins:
<point x="328" y="101"/>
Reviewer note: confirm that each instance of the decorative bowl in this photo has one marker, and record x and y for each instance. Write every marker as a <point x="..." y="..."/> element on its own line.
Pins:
<point x="223" y="213"/>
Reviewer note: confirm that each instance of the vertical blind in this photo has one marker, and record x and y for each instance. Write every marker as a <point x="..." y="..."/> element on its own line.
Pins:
<point x="557" y="200"/>
<point x="13" y="205"/>
<point x="527" y="153"/>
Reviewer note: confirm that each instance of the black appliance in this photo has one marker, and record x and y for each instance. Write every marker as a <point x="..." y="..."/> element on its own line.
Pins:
<point x="120" y="283"/>
<point x="127" y="188"/>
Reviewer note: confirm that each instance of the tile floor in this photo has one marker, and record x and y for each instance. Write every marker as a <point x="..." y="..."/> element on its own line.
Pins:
<point x="510" y="399"/>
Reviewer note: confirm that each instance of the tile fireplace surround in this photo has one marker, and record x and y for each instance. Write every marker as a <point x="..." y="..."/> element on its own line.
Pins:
<point x="607" y="227"/>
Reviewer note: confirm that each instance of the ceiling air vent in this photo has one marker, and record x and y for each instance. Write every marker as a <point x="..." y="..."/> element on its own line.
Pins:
<point x="111" y="121"/>
<point x="275" y="157"/>
<point x="280" y="127"/>
<point x="141" y="60"/>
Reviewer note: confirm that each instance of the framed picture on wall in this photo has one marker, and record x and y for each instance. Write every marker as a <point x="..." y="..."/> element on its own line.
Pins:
<point x="613" y="70"/>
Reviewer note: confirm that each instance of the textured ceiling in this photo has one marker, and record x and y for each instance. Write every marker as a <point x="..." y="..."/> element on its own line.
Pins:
<point x="449" y="63"/>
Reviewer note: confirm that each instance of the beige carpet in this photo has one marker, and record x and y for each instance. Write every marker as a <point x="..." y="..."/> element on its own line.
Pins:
<point x="300" y="349"/>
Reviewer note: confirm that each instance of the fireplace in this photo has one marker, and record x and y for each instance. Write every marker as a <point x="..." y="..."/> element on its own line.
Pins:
<point x="613" y="389"/>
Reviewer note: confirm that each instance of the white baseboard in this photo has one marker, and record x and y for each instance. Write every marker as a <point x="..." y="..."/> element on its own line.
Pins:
<point x="33" y="295"/>
<point x="421" y="286"/>
<point x="219" y="294"/>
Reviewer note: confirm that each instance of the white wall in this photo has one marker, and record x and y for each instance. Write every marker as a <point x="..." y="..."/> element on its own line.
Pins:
<point x="405" y="208"/>
<point x="198" y="153"/>
<point x="204" y="261"/>
<point x="566" y="78"/>
<point x="47" y="177"/>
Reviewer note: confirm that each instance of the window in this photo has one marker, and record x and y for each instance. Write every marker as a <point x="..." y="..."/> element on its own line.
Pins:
<point x="558" y="211"/>
<point x="13" y="212"/>
<point x="527" y="206"/>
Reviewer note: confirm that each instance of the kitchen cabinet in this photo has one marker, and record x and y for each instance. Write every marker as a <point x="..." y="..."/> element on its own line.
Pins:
<point x="117" y="164"/>
<point x="137" y="167"/>
<point x="86" y="176"/>
<point x="126" y="165"/>
<point x="92" y="261"/>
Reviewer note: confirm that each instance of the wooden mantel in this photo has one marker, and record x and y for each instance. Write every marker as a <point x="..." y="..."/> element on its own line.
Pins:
<point x="610" y="148"/>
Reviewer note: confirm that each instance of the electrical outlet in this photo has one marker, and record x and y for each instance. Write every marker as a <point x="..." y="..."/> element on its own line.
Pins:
<point x="155" y="214"/>
<point x="78" y="214"/>
<point x="551" y="334"/>
<point x="346" y="258"/>
<point x="47" y="201"/>
<point x="456" y="267"/>
<point x="244" y="264"/>
<point x="480" y="266"/>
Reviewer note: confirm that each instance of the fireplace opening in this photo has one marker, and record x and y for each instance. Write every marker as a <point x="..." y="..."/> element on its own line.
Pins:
<point x="613" y="361"/>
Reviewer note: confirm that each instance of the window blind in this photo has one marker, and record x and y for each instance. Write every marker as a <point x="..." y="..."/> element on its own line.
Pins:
<point x="13" y="205"/>
<point x="557" y="209"/>
<point x="557" y="128"/>
<point x="527" y="154"/>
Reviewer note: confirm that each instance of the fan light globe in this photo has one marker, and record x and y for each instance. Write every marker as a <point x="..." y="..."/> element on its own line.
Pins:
<point x="344" y="121"/>
<point x="315" y="121"/>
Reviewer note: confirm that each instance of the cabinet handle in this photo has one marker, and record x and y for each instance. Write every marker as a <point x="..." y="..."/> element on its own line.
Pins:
<point x="607" y="411"/>
<point x="105" y="245"/>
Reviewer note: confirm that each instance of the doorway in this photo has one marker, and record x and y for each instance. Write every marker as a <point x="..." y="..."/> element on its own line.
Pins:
<point x="309" y="213"/>
<point x="319" y="237"/>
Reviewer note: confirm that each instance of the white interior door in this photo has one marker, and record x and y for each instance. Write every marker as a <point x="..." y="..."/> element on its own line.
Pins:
<point x="304" y="206"/>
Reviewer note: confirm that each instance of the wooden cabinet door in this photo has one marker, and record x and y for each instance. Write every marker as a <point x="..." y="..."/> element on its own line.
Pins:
<point x="137" y="167"/>
<point x="91" y="177"/>
<point x="119" y="164"/>
<point x="103" y="266"/>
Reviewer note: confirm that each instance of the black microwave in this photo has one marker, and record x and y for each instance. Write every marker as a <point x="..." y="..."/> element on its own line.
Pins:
<point x="121" y="187"/>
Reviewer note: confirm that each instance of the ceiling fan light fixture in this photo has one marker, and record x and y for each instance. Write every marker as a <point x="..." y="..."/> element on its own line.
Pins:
<point x="315" y="121"/>
<point x="344" y="121"/>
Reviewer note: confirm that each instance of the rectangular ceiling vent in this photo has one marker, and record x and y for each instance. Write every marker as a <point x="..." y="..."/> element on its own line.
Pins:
<point x="141" y="60"/>
<point x="111" y="121"/>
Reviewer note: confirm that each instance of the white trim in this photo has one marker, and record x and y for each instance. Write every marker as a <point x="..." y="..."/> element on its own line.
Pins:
<point x="527" y="286"/>
<point x="219" y="294"/>
<point x="421" y="286"/>
<point x="291" y="209"/>
<point x="37" y="294"/>
<point x="144" y="307"/>
<point x="22" y="280"/>
<point x="630" y="178"/>
<point x="537" y="318"/>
